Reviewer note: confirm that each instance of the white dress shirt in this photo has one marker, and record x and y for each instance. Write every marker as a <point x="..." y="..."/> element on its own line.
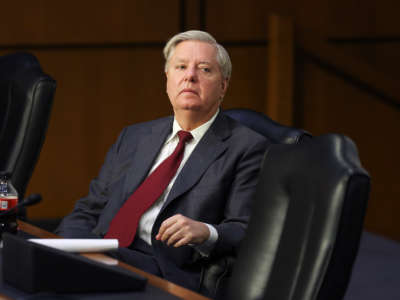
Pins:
<point x="147" y="220"/>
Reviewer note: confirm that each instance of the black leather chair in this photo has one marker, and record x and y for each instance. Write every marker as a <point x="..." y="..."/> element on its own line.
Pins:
<point x="26" y="96"/>
<point x="277" y="133"/>
<point x="306" y="223"/>
<point x="215" y="274"/>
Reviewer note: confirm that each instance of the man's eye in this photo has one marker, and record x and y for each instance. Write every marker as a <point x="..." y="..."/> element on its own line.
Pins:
<point x="181" y="67"/>
<point x="207" y="70"/>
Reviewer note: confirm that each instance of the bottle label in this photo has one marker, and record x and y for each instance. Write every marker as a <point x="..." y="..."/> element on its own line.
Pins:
<point x="8" y="202"/>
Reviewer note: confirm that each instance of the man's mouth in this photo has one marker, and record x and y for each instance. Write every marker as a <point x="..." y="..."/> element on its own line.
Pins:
<point x="188" y="91"/>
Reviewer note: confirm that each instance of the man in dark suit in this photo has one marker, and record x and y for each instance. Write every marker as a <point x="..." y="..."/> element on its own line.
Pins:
<point x="204" y="211"/>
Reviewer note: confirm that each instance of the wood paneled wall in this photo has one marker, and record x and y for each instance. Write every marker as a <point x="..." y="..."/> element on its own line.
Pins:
<point x="327" y="102"/>
<point x="107" y="60"/>
<point x="89" y="22"/>
<point x="331" y="104"/>
<point x="106" y="57"/>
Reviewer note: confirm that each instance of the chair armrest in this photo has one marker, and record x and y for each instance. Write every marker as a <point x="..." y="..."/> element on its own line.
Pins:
<point x="214" y="276"/>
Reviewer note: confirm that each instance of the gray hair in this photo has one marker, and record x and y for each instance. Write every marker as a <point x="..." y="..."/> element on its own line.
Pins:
<point x="222" y="55"/>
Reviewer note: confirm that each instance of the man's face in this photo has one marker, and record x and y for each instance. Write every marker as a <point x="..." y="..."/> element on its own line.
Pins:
<point x="194" y="79"/>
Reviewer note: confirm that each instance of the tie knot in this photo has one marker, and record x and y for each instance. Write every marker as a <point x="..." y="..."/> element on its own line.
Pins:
<point x="184" y="136"/>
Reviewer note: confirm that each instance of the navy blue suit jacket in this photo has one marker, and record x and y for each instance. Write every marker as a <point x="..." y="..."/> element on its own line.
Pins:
<point x="215" y="186"/>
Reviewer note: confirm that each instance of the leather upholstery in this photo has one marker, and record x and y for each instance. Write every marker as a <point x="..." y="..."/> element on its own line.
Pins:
<point x="26" y="96"/>
<point x="306" y="223"/>
<point x="216" y="273"/>
<point x="275" y="132"/>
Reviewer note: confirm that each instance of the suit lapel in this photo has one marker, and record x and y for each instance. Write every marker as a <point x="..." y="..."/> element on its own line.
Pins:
<point x="147" y="149"/>
<point x="211" y="146"/>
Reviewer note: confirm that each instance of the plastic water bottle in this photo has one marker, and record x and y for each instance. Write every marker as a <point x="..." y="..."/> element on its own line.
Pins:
<point x="8" y="200"/>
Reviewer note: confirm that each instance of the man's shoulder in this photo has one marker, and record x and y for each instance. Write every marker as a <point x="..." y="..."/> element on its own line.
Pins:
<point x="135" y="133"/>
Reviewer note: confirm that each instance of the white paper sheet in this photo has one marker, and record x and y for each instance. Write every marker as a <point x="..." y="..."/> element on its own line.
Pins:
<point x="79" y="245"/>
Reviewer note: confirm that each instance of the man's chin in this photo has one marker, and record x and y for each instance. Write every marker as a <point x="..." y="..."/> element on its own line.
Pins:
<point x="191" y="107"/>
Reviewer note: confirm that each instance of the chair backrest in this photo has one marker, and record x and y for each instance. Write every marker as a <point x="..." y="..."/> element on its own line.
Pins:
<point x="217" y="272"/>
<point x="26" y="96"/>
<point x="275" y="132"/>
<point x="306" y="223"/>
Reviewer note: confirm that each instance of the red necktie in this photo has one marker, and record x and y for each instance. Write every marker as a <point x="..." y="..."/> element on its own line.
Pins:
<point x="123" y="226"/>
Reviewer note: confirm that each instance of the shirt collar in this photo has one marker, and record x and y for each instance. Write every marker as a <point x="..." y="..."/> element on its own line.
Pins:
<point x="197" y="133"/>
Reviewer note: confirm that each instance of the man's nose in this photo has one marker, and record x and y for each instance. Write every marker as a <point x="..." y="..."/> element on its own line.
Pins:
<point x="191" y="74"/>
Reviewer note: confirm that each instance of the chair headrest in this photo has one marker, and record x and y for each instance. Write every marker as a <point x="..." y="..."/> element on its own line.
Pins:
<point x="15" y="63"/>
<point x="275" y="132"/>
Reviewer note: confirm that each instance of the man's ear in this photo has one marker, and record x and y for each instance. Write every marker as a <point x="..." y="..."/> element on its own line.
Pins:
<point x="166" y="81"/>
<point x="224" y="87"/>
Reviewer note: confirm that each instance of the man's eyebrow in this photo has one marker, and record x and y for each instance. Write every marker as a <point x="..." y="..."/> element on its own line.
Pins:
<point x="181" y="59"/>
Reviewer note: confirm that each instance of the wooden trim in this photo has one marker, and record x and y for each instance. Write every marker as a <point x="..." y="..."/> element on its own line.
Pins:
<point x="203" y="14"/>
<point x="125" y="45"/>
<point x="195" y="15"/>
<point x="350" y="68"/>
<point x="365" y="40"/>
<point x="244" y="43"/>
<point x="280" y="83"/>
<point x="36" y="231"/>
<point x="156" y="281"/>
<point x="83" y="46"/>
<point x="182" y="16"/>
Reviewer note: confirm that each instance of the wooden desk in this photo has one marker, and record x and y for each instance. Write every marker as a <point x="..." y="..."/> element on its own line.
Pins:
<point x="156" y="281"/>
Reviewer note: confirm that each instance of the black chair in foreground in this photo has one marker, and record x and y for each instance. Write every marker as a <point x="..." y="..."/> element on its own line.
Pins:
<point x="216" y="273"/>
<point x="306" y="223"/>
<point x="26" y="97"/>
